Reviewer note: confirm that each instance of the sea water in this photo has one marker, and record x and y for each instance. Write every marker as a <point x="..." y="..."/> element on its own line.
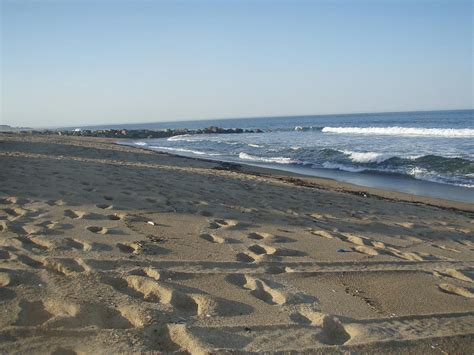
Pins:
<point x="425" y="153"/>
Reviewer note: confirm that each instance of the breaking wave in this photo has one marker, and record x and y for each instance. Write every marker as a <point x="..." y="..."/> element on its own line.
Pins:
<point x="278" y="160"/>
<point x="183" y="150"/>
<point x="367" y="157"/>
<point x="403" y="131"/>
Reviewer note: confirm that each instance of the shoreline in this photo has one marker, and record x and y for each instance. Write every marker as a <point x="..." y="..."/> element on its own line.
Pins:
<point x="325" y="182"/>
<point x="279" y="174"/>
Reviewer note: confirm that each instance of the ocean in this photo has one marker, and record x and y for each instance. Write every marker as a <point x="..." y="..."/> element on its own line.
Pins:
<point x="425" y="153"/>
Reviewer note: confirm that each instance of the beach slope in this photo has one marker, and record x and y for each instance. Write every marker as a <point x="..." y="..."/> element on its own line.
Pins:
<point x="106" y="248"/>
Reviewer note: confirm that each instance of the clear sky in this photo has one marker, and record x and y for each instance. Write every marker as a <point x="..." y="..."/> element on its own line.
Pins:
<point x="72" y="62"/>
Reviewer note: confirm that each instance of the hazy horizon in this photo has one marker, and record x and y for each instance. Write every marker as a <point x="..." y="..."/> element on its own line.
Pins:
<point x="98" y="124"/>
<point x="87" y="63"/>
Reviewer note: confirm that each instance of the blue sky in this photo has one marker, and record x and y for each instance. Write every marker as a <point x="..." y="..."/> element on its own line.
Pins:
<point x="75" y="62"/>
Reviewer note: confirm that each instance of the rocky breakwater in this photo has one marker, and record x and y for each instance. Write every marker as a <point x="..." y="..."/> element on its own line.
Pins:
<point x="141" y="133"/>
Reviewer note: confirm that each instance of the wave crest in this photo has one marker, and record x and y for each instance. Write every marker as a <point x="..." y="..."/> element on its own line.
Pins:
<point x="182" y="137"/>
<point x="403" y="131"/>
<point x="367" y="157"/>
<point x="278" y="160"/>
<point x="183" y="150"/>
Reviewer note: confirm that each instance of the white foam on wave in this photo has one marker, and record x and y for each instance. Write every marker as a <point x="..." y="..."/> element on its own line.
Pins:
<point x="367" y="157"/>
<point x="336" y="166"/>
<point x="182" y="137"/>
<point x="141" y="144"/>
<point x="301" y="128"/>
<point x="403" y="131"/>
<point x="278" y="160"/>
<point x="182" y="150"/>
<point x="254" y="145"/>
<point x="423" y="174"/>
<point x="305" y="128"/>
<point x="416" y="173"/>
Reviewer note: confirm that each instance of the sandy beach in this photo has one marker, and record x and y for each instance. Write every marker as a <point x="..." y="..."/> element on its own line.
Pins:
<point x="106" y="248"/>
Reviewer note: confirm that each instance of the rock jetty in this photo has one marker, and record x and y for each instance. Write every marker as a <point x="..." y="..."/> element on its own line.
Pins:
<point x="140" y="133"/>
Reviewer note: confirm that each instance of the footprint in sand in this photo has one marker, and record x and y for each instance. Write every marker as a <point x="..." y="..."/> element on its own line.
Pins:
<point x="33" y="262"/>
<point x="31" y="244"/>
<point x="445" y="247"/>
<point x="466" y="243"/>
<point x="43" y="241"/>
<point x="282" y="239"/>
<point x="222" y="223"/>
<point x="15" y="200"/>
<point x="332" y="331"/>
<point x="97" y="230"/>
<point x="14" y="212"/>
<point x="104" y="206"/>
<point x="129" y="247"/>
<point x="259" y="236"/>
<point x="370" y="247"/>
<point x="261" y="250"/>
<point x="151" y="291"/>
<point x="377" y="249"/>
<point x="50" y="225"/>
<point x="116" y="216"/>
<point x="59" y="315"/>
<point x="66" y="266"/>
<point x="270" y="237"/>
<point x="456" y="290"/>
<point x="146" y="247"/>
<point x="263" y="290"/>
<point x="321" y="233"/>
<point x="59" y="202"/>
<point x="4" y="255"/>
<point x="74" y="214"/>
<point x="244" y="258"/>
<point x="3" y="226"/>
<point x="5" y="279"/>
<point x="365" y="250"/>
<point x="72" y="243"/>
<point x="355" y="239"/>
<point x="32" y="313"/>
<point x="206" y="213"/>
<point x="212" y="238"/>
<point x="454" y="274"/>
<point x="181" y="299"/>
<point x="412" y="256"/>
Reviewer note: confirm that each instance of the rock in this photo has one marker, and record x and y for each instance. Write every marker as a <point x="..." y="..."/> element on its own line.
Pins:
<point x="140" y="133"/>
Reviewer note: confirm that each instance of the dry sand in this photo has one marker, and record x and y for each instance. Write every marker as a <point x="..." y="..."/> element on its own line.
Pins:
<point x="107" y="249"/>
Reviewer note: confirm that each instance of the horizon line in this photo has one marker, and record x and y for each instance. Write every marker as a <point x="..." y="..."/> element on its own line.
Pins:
<point x="243" y="118"/>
